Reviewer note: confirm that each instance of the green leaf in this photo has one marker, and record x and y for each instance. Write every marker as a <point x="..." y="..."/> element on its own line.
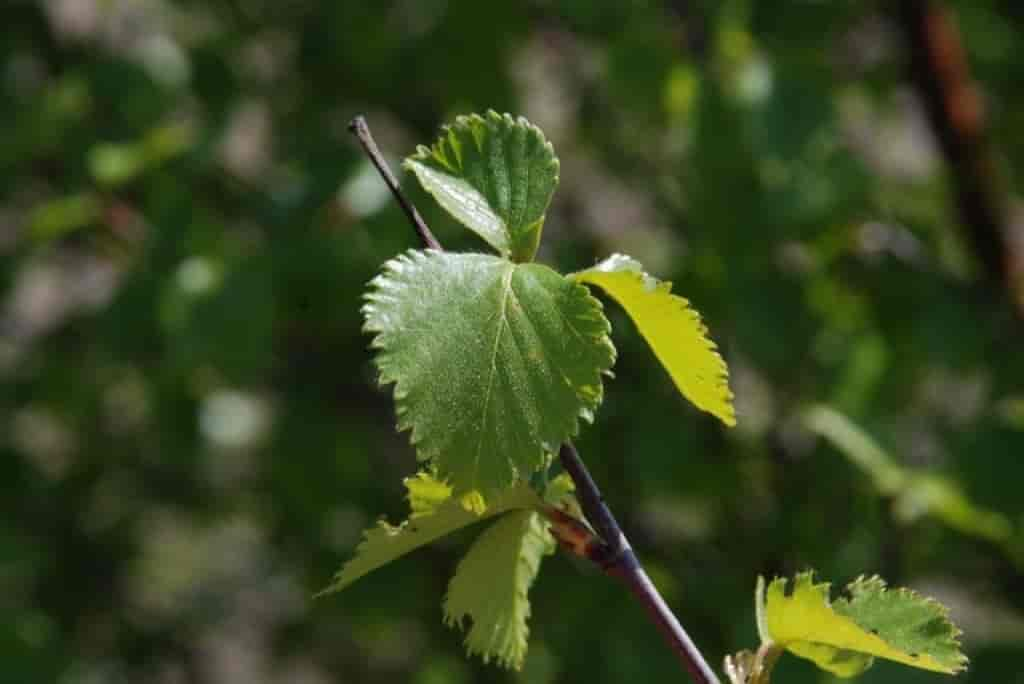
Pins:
<point x="842" y="637"/>
<point x="58" y="217"/>
<point x="114" y="164"/>
<point x="491" y="583"/>
<point x="431" y="519"/>
<point x="493" y="362"/>
<point x="908" y="621"/>
<point x="915" y="492"/>
<point x="674" y="331"/>
<point x="495" y="175"/>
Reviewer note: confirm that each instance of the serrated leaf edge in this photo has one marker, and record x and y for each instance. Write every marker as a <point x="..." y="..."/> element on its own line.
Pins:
<point x="878" y="583"/>
<point x="470" y="123"/>
<point x="621" y="263"/>
<point x="823" y="591"/>
<point x="473" y="500"/>
<point x="526" y="572"/>
<point x="519" y="497"/>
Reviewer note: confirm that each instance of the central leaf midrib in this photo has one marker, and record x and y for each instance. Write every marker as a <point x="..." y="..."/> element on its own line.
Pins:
<point x="506" y="289"/>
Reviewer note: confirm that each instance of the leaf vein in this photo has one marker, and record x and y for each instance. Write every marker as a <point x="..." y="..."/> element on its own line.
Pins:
<point x="506" y="287"/>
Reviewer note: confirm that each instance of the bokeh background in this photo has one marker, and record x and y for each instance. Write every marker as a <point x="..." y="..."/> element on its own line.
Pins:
<point x="191" y="436"/>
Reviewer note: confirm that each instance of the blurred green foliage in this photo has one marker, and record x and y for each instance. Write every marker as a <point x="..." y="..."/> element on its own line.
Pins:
<point x="192" y="433"/>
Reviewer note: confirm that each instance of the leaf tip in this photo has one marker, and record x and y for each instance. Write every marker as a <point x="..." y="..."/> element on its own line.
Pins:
<point x="674" y="331"/>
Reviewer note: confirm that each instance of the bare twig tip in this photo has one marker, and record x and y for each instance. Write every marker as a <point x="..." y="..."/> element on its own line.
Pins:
<point x="357" y="124"/>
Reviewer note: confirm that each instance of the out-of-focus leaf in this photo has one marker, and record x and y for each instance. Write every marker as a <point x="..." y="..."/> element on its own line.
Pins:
<point x="114" y="164"/>
<point x="64" y="215"/>
<point x="916" y="493"/>
<point x="856" y="445"/>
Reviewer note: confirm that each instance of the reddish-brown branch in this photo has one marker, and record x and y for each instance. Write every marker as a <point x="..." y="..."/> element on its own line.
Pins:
<point x="956" y="111"/>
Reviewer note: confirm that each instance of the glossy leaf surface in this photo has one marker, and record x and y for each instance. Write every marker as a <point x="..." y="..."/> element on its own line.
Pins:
<point x="495" y="174"/>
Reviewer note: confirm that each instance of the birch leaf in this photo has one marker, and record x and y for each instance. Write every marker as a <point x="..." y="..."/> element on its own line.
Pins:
<point x="843" y="636"/>
<point x="493" y="363"/>
<point x="496" y="175"/>
<point x="491" y="583"/>
<point x="674" y="331"/>
<point x="431" y="519"/>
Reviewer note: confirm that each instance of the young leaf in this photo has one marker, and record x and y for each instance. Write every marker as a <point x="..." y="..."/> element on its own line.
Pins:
<point x="491" y="583"/>
<point x="493" y="362"/>
<point x="495" y="175"/>
<point x="842" y="637"/>
<point x="908" y="621"/>
<point x="431" y="519"/>
<point x="674" y="331"/>
<point x="425" y="494"/>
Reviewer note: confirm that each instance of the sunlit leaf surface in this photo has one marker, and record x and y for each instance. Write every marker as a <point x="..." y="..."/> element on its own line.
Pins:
<point x="673" y="329"/>
<point x="843" y="636"/>
<point x="430" y="520"/>
<point x="495" y="174"/>
<point x="491" y="584"/>
<point x="493" y="362"/>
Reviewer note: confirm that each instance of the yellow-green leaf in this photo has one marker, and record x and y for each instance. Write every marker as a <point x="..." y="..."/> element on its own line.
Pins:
<point x="839" y="661"/>
<point x="432" y="518"/>
<point x="674" y="331"/>
<point x="491" y="583"/>
<point x="841" y="637"/>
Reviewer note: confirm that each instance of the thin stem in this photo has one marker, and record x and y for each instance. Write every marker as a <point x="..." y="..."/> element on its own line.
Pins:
<point x="623" y="564"/>
<point x="592" y="503"/>
<point x="361" y="130"/>
<point x="617" y="558"/>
